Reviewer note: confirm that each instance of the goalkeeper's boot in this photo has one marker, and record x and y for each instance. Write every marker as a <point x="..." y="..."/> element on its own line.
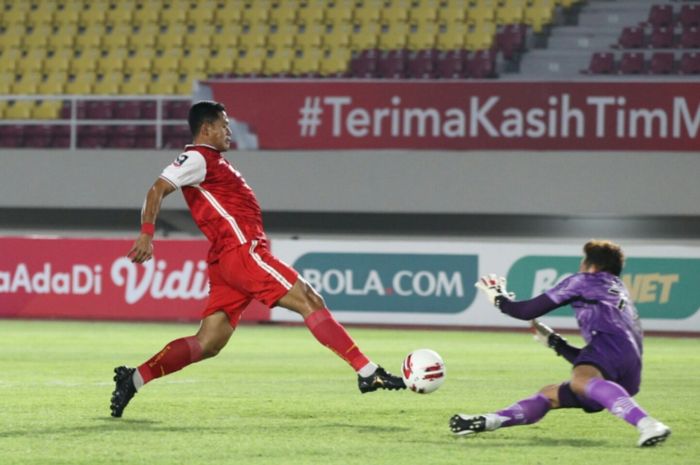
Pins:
<point x="467" y="425"/>
<point x="652" y="432"/>
<point x="380" y="379"/>
<point x="124" y="390"/>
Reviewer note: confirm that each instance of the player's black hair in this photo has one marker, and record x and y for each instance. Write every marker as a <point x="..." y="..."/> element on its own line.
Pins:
<point x="605" y="255"/>
<point x="206" y="111"/>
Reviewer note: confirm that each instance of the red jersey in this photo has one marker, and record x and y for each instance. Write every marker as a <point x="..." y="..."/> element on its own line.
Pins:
<point x="222" y="204"/>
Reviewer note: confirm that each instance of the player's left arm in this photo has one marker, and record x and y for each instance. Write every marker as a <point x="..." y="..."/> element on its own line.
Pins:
<point x="142" y="249"/>
<point x="550" y="338"/>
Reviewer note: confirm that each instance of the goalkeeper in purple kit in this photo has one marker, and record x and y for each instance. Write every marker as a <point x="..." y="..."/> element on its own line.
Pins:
<point x="607" y="371"/>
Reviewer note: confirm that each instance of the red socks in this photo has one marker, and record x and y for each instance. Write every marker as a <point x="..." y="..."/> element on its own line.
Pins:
<point x="175" y="356"/>
<point x="332" y="335"/>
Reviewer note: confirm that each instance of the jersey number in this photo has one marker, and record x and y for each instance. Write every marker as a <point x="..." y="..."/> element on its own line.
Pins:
<point x="180" y="160"/>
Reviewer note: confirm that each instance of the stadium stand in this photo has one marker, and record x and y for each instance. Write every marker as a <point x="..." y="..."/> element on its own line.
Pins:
<point x="133" y="58"/>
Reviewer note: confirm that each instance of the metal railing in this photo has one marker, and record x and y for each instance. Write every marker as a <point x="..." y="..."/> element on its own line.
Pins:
<point x="74" y="121"/>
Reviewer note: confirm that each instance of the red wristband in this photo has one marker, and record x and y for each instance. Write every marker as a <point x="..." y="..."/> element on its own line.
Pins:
<point x="148" y="228"/>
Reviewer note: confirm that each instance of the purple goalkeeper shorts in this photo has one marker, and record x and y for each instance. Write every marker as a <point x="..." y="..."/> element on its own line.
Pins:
<point x="617" y="359"/>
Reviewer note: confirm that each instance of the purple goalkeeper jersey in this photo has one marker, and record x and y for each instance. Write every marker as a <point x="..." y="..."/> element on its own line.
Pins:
<point x="602" y="304"/>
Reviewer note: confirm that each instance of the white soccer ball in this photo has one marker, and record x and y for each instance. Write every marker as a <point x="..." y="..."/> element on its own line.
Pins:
<point x="423" y="371"/>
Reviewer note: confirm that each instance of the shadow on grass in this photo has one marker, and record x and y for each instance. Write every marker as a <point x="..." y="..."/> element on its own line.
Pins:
<point x="108" y="424"/>
<point x="365" y="428"/>
<point x="491" y="441"/>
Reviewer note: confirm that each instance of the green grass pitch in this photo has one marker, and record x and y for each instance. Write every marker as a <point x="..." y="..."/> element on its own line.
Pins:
<point x="275" y="396"/>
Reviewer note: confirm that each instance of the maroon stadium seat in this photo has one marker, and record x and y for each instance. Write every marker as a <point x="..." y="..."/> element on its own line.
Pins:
<point x="92" y="136"/>
<point x="690" y="37"/>
<point x="662" y="63"/>
<point x="662" y="37"/>
<point x="631" y="37"/>
<point x="60" y="136"/>
<point x="148" y="109"/>
<point x="37" y="136"/>
<point x="145" y="137"/>
<point x="602" y="63"/>
<point x="364" y="64"/>
<point x="99" y="109"/>
<point x="127" y="110"/>
<point x="176" y="137"/>
<point x="689" y="16"/>
<point x="391" y="64"/>
<point x="510" y="40"/>
<point x="661" y="15"/>
<point x="176" y="109"/>
<point x="481" y="65"/>
<point x="122" y="137"/>
<point x="632" y="63"/>
<point x="421" y="64"/>
<point x="12" y="136"/>
<point x="450" y="64"/>
<point x="690" y="63"/>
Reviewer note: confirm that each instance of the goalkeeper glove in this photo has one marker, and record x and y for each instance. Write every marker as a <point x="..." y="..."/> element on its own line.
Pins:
<point x="547" y="337"/>
<point x="495" y="288"/>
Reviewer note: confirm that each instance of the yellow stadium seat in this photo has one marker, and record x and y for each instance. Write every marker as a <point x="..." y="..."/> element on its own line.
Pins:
<point x="455" y="11"/>
<point x="538" y="19"/>
<point x="51" y="87"/>
<point x="308" y="63"/>
<point x="86" y="62"/>
<point x="365" y="37"/>
<point x="396" y="12"/>
<point x="91" y="37"/>
<point x="480" y="14"/>
<point x="20" y="109"/>
<point x="227" y="38"/>
<point x="285" y="13"/>
<point x="394" y="37"/>
<point x="195" y="61"/>
<point x="184" y="87"/>
<point x="201" y="15"/>
<point x="251" y="62"/>
<point x="137" y="84"/>
<point x="492" y="4"/>
<point x="367" y="13"/>
<point x="452" y="37"/>
<point x="258" y="12"/>
<point x="59" y="61"/>
<point x="39" y="37"/>
<point x="64" y="37"/>
<point x="67" y="15"/>
<point x="41" y="16"/>
<point x="311" y="36"/>
<point x="339" y="37"/>
<point x="28" y="84"/>
<point x="118" y="37"/>
<point x="173" y="15"/>
<point x="9" y="59"/>
<point x="174" y="37"/>
<point x="168" y="62"/>
<point x="14" y="16"/>
<point x="282" y="37"/>
<point x="337" y="62"/>
<point x="227" y="16"/>
<point x="48" y="109"/>
<point x="509" y="13"/>
<point x="79" y="87"/>
<point x="144" y="37"/>
<point x="110" y="84"/>
<point x="92" y="15"/>
<point x="13" y="38"/>
<point x="113" y="61"/>
<point x="139" y="63"/>
<point x="279" y="63"/>
<point x="118" y="16"/>
<point x="254" y="37"/>
<point x="480" y="36"/>
<point x="6" y="81"/>
<point x="424" y="38"/>
<point x="222" y="62"/>
<point x="147" y="14"/>
<point x="425" y="12"/>
<point x="164" y="84"/>
<point x="340" y="12"/>
<point x="33" y="62"/>
<point x="311" y="14"/>
<point x="200" y="37"/>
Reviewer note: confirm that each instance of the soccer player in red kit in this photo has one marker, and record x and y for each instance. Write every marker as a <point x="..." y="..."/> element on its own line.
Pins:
<point x="241" y="267"/>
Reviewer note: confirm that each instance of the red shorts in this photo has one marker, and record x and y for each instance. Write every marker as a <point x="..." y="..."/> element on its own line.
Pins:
<point x="245" y="273"/>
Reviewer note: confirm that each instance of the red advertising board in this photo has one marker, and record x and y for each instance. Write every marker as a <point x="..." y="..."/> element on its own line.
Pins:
<point x="352" y="114"/>
<point x="92" y="279"/>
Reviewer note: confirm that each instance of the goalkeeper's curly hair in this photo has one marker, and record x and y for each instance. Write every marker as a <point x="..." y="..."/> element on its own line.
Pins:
<point x="605" y="255"/>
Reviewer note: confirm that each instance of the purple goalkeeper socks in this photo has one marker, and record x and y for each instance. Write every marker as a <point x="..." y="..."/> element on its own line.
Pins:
<point x="526" y="411"/>
<point x="616" y="399"/>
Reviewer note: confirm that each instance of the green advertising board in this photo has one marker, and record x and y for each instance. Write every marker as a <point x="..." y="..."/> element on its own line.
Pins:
<point x="661" y="288"/>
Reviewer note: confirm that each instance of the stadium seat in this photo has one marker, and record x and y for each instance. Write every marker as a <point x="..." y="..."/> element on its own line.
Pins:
<point x="176" y="109"/>
<point x="367" y="13"/>
<point x="340" y="13"/>
<point x="538" y="16"/>
<point x="254" y="37"/>
<point x="602" y="63"/>
<point x="365" y="37"/>
<point x="123" y="109"/>
<point x="424" y="37"/>
<point x="394" y="36"/>
<point x="310" y="14"/>
<point x="632" y="37"/>
<point x="37" y="136"/>
<point x="33" y="62"/>
<point x="662" y="63"/>
<point x="251" y="62"/>
<point x="452" y="36"/>
<point x="20" y="109"/>
<point x="480" y="36"/>
<point x="99" y="109"/>
<point x="338" y="37"/>
<point x="481" y="65"/>
<point x="148" y="109"/>
<point x="336" y="63"/>
<point x="282" y="37"/>
<point x="224" y="62"/>
<point x="364" y="64"/>
<point x="39" y="37"/>
<point x="424" y="12"/>
<point x="92" y="136"/>
<point x="60" y="136"/>
<point x="279" y="63"/>
<point x="145" y="137"/>
<point x="510" y="40"/>
<point x="690" y="63"/>
<point x="227" y="16"/>
<point x="662" y="37"/>
<point x="689" y="16"/>
<point x="690" y="37"/>
<point x="632" y="63"/>
<point x="308" y="63"/>
<point x="12" y="135"/>
<point x="421" y="64"/>
<point x="119" y="16"/>
<point x="176" y="137"/>
<point x="391" y="64"/>
<point x="450" y="64"/>
<point x="661" y="16"/>
<point x="510" y="12"/>
<point x="228" y="38"/>
<point x="123" y="137"/>
<point x="453" y="11"/>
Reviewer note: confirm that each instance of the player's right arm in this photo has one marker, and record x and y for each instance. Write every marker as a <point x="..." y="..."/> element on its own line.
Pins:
<point x="142" y="249"/>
